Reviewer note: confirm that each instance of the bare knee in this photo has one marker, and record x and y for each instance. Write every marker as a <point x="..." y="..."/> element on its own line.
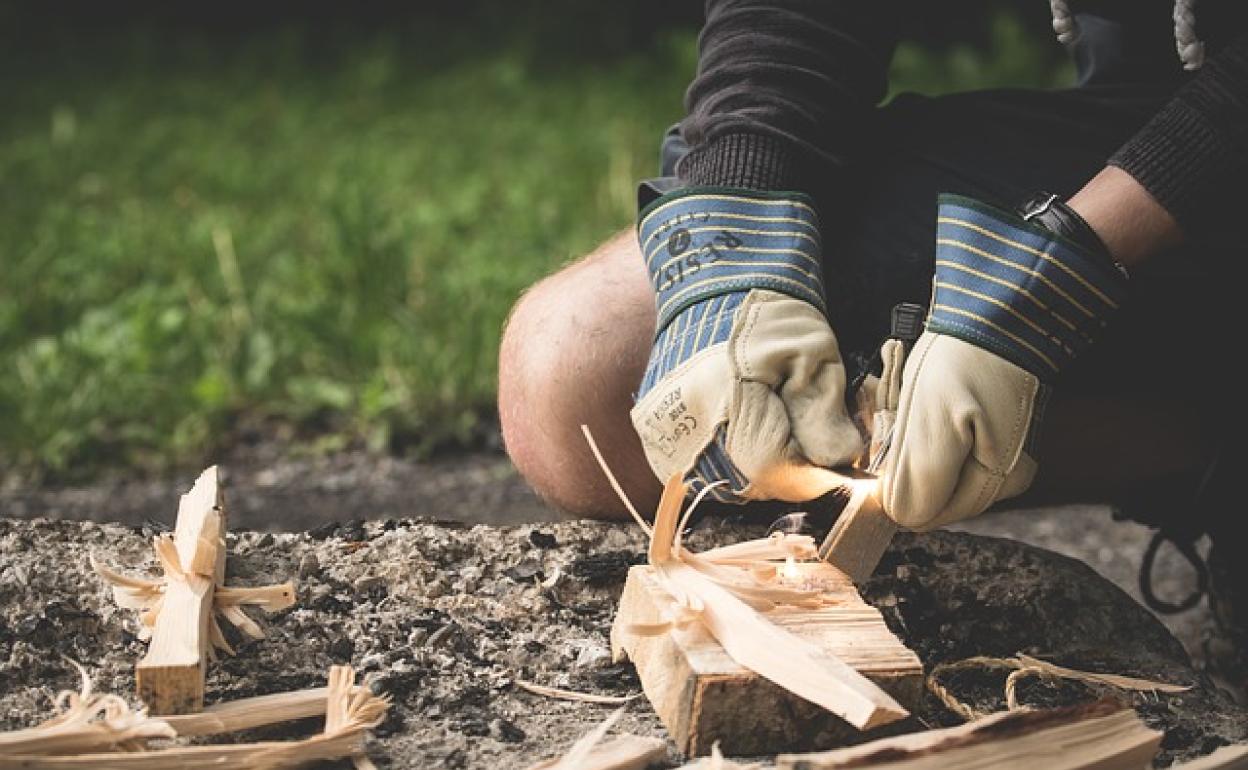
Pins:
<point x="572" y="353"/>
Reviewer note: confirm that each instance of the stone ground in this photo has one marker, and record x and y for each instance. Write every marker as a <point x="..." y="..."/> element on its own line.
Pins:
<point x="443" y="612"/>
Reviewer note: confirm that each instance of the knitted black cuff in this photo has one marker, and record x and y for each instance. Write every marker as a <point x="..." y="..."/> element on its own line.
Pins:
<point x="1173" y="157"/>
<point x="748" y="161"/>
<point x="1185" y="155"/>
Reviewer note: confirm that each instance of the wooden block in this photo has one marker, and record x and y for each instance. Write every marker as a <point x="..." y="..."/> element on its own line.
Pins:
<point x="1094" y="736"/>
<point x="703" y="695"/>
<point x="859" y="537"/>
<point x="170" y="678"/>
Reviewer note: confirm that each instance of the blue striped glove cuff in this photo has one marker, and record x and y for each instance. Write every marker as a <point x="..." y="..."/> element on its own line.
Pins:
<point x="705" y="242"/>
<point x="1017" y="289"/>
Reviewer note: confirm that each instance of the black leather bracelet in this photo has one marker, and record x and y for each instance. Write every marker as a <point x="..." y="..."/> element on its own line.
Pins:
<point x="1051" y="212"/>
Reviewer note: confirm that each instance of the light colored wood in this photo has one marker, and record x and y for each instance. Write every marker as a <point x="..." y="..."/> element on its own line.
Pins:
<point x="624" y="752"/>
<point x="247" y="713"/>
<point x="702" y="694"/>
<point x="1104" y="736"/>
<point x="170" y="677"/>
<point x="350" y="711"/>
<point x="1225" y="758"/>
<point x="581" y="697"/>
<point x="860" y="535"/>
<point x="783" y="657"/>
<point x="180" y="611"/>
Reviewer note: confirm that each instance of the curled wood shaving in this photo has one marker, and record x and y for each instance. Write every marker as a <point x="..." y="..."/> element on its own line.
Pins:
<point x="88" y="722"/>
<point x="350" y="711"/>
<point x="583" y="697"/>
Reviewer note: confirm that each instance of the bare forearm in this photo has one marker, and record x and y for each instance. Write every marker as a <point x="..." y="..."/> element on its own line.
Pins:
<point x="1130" y="222"/>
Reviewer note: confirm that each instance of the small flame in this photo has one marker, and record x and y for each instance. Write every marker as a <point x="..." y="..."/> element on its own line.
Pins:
<point x="790" y="571"/>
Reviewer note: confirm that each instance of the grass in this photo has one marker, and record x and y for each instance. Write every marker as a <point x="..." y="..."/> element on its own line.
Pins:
<point x="192" y="243"/>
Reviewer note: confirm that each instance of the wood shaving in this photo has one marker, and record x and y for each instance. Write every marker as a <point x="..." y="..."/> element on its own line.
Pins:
<point x="583" y="697"/>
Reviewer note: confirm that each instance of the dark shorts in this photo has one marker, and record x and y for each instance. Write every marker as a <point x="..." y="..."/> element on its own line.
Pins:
<point x="1001" y="146"/>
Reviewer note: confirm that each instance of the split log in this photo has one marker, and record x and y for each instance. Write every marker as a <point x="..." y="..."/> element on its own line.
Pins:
<point x="735" y="602"/>
<point x="180" y="611"/>
<point x="170" y="678"/>
<point x="1102" y="735"/>
<point x="703" y="695"/>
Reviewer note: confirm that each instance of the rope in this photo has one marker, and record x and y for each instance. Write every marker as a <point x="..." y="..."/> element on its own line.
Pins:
<point x="969" y="714"/>
<point x="1063" y="22"/>
<point x="1023" y="667"/>
<point x="1191" y="49"/>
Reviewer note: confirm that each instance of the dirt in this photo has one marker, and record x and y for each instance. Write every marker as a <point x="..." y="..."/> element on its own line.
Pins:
<point x="445" y="616"/>
<point x="275" y="489"/>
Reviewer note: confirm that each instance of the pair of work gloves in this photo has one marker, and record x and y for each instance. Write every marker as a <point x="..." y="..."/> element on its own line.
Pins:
<point x="745" y="384"/>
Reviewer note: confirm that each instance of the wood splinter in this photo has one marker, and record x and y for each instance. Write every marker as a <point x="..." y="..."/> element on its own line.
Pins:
<point x="1096" y="736"/>
<point x="179" y="611"/>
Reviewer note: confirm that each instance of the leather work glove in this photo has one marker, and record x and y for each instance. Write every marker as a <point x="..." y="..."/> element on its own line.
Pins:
<point x="745" y="381"/>
<point x="1012" y="304"/>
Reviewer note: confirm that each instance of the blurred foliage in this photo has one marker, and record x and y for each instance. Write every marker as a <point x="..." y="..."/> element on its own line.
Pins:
<point x="1013" y="56"/>
<point x="322" y="229"/>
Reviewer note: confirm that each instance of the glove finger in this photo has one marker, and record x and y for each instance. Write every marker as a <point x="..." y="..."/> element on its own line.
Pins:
<point x="759" y="441"/>
<point x="929" y="448"/>
<point x="821" y="425"/>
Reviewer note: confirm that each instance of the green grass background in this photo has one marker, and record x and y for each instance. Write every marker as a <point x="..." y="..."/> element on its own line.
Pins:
<point x="197" y="241"/>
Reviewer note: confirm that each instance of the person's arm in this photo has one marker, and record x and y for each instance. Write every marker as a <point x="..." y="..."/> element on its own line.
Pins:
<point x="785" y="90"/>
<point x="1182" y="175"/>
<point x="744" y="393"/>
<point x="1128" y="220"/>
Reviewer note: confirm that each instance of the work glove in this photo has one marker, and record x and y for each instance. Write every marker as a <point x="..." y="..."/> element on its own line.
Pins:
<point x="1012" y="305"/>
<point x="745" y="382"/>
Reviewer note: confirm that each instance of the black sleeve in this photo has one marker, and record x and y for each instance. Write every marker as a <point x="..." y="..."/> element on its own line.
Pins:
<point x="784" y="91"/>
<point x="1193" y="155"/>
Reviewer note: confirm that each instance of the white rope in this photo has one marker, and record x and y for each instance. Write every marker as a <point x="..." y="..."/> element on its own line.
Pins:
<point x="1063" y="22"/>
<point x="1191" y="49"/>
